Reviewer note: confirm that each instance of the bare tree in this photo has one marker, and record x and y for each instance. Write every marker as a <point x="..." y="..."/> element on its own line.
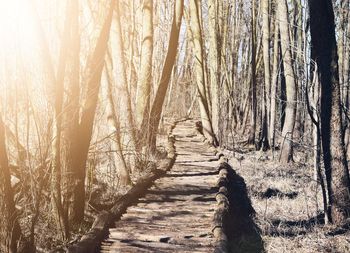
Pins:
<point x="253" y="84"/>
<point x="214" y="62"/>
<point x="145" y="73"/>
<point x="264" y="138"/>
<point x="83" y="138"/>
<point x="157" y="105"/>
<point x="286" y="142"/>
<point x="197" y="41"/>
<point x="275" y="70"/>
<point x="324" y="52"/>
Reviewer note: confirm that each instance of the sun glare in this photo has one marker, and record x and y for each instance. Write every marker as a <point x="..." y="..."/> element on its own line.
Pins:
<point x="16" y="26"/>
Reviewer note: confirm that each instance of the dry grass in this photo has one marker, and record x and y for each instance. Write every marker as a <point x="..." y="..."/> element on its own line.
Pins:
<point x="288" y="204"/>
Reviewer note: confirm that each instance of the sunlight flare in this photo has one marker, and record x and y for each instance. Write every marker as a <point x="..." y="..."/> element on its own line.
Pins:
<point x="16" y="26"/>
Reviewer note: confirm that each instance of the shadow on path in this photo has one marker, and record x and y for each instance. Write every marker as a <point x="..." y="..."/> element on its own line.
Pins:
<point x="185" y="191"/>
<point x="199" y="174"/>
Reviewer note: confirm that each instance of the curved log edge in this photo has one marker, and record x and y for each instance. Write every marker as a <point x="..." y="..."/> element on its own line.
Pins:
<point x="91" y="241"/>
<point x="234" y="229"/>
<point x="221" y="214"/>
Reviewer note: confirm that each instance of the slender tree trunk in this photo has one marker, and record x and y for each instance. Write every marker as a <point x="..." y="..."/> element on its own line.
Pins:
<point x="347" y="82"/>
<point x="166" y="74"/>
<point x="313" y="110"/>
<point x="57" y="168"/>
<point x="341" y="41"/>
<point x="264" y="139"/>
<point x="72" y="111"/>
<point x="125" y="111"/>
<point x="324" y="52"/>
<point x="145" y="76"/>
<point x="298" y="63"/>
<point x="197" y="41"/>
<point x="115" y="123"/>
<point x="214" y="60"/>
<point x="272" y="125"/>
<point x="84" y="133"/>
<point x="288" y="128"/>
<point x="227" y="118"/>
<point x="252" y="130"/>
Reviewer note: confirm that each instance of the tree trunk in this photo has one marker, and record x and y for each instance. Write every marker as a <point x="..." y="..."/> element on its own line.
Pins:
<point x="58" y="87"/>
<point x="125" y="111"/>
<point x="290" y="112"/>
<point x="84" y="133"/>
<point x="324" y="52"/>
<point x="272" y="125"/>
<point x="252" y="129"/>
<point x="264" y="139"/>
<point x="197" y="42"/>
<point x="115" y="123"/>
<point x="72" y="111"/>
<point x="166" y="74"/>
<point x="145" y="76"/>
<point x="214" y="60"/>
<point x="347" y="83"/>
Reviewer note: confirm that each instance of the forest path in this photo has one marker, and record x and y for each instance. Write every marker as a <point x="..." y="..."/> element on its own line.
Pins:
<point x="176" y="213"/>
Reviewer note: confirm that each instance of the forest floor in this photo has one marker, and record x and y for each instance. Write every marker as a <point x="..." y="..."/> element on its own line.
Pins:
<point x="176" y="213"/>
<point x="288" y="204"/>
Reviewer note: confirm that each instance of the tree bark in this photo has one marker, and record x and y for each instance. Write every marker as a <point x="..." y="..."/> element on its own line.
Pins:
<point x="115" y="123"/>
<point x="197" y="42"/>
<point x="214" y="60"/>
<point x="272" y="125"/>
<point x="170" y="59"/>
<point x="264" y="138"/>
<point x="57" y="168"/>
<point x="145" y="77"/>
<point x="72" y="112"/>
<point x="324" y="52"/>
<point x="85" y="128"/>
<point x="125" y="111"/>
<point x="290" y="112"/>
<point x="253" y="118"/>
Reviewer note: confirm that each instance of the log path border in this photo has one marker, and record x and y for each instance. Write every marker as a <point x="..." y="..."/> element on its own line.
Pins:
<point x="90" y="242"/>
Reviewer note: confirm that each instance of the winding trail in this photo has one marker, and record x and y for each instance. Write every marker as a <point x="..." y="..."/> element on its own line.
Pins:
<point x="176" y="213"/>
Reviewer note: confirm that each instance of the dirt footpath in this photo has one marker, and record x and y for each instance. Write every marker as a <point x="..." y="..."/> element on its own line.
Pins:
<point x="176" y="214"/>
